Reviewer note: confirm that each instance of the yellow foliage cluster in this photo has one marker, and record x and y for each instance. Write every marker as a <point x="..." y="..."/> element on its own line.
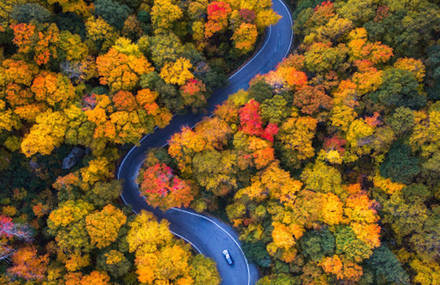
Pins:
<point x="97" y="169"/>
<point x="177" y="72"/>
<point x="103" y="226"/>
<point x="245" y="37"/>
<point x="68" y="213"/>
<point x="296" y="134"/>
<point x="331" y="209"/>
<point x="99" y="30"/>
<point x="76" y="261"/>
<point x="415" y="66"/>
<point x="74" y="6"/>
<point x="46" y="134"/>
<point x="387" y="185"/>
<point x="164" y="13"/>
<point x="113" y="257"/>
<point x="426" y="132"/>
<point x="160" y="258"/>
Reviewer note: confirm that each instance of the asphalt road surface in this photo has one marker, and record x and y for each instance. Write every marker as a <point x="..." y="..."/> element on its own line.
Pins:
<point x="206" y="234"/>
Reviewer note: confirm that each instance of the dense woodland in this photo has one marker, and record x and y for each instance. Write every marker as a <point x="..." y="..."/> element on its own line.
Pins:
<point x="328" y="167"/>
<point x="99" y="75"/>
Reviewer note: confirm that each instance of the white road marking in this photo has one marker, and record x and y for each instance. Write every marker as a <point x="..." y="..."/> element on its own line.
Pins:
<point x="198" y="215"/>
<point x="187" y="240"/>
<point x="291" y="24"/>
<point x="174" y="233"/>
<point x="226" y="232"/>
<point x="252" y="59"/>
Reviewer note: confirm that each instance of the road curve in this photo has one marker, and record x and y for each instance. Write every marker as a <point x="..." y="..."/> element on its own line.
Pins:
<point x="206" y="234"/>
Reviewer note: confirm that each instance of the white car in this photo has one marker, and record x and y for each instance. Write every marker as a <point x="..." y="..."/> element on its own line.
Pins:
<point x="227" y="256"/>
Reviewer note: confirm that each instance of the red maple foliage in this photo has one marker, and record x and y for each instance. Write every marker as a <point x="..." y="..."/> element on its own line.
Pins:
<point x="335" y="143"/>
<point x="6" y="226"/>
<point x="10" y="229"/>
<point x="164" y="189"/>
<point x="270" y="131"/>
<point x="252" y="123"/>
<point x="250" y="119"/>
<point x="218" y="10"/>
<point x="247" y="15"/>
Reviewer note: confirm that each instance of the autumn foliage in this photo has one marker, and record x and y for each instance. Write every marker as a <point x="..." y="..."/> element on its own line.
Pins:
<point x="327" y="166"/>
<point x="163" y="188"/>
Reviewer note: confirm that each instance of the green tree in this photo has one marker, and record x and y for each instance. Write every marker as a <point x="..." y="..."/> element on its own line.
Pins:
<point x="112" y="12"/>
<point x="399" y="89"/>
<point x="274" y="110"/>
<point x="433" y="72"/>
<point x="260" y="91"/>
<point x="350" y="246"/>
<point x="386" y="267"/>
<point x="317" y="244"/>
<point x="256" y="252"/>
<point x="401" y="121"/>
<point x="399" y="164"/>
<point x="114" y="262"/>
<point x="28" y="12"/>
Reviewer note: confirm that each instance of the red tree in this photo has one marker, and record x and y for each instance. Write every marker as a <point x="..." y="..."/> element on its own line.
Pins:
<point x="10" y="229"/>
<point x="163" y="189"/>
<point x="252" y="124"/>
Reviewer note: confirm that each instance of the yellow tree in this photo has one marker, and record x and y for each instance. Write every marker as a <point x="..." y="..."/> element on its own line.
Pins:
<point x="184" y="145"/>
<point x="295" y="139"/>
<point x="99" y="30"/>
<point x="359" y="137"/>
<point x="245" y="37"/>
<point x="103" y="226"/>
<point x="413" y="65"/>
<point x="46" y="134"/>
<point x="74" y="6"/>
<point x="160" y="258"/>
<point x="72" y="46"/>
<point x="332" y="209"/>
<point x="279" y="184"/>
<point x="284" y="239"/>
<point x="98" y="169"/>
<point x="177" y="72"/>
<point x="164" y="14"/>
<point x="17" y="72"/>
<point x="67" y="224"/>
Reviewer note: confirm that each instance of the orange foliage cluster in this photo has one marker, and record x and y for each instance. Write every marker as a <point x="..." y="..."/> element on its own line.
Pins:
<point x="28" y="264"/>
<point x="121" y="71"/>
<point x="41" y="43"/>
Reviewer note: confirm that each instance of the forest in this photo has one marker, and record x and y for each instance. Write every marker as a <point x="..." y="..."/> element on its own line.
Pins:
<point x="327" y="167"/>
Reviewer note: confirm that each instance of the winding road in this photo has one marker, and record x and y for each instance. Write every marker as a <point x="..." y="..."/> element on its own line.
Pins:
<point x="206" y="234"/>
